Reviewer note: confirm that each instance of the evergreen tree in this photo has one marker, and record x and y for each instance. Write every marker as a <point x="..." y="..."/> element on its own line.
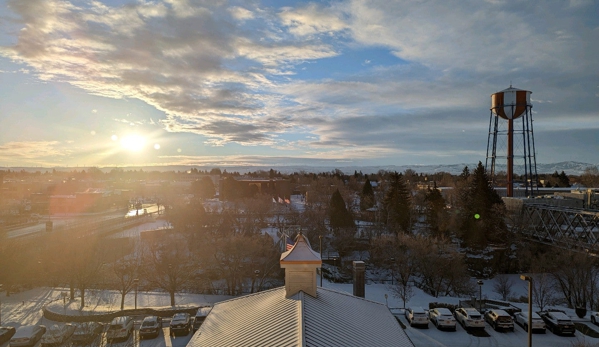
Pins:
<point x="397" y="205"/>
<point x="481" y="212"/>
<point x="339" y="216"/>
<point x="564" y="181"/>
<point x="436" y="212"/>
<point x="367" y="196"/>
<point x="203" y="188"/>
<point x="342" y="223"/>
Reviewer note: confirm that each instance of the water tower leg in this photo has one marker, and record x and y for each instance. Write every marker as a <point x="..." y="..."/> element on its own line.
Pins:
<point x="510" y="158"/>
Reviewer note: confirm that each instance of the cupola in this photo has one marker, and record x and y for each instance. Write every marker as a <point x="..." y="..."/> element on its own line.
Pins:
<point x="300" y="264"/>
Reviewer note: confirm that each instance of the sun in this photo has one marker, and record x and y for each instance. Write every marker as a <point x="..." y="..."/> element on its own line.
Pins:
<point x="133" y="143"/>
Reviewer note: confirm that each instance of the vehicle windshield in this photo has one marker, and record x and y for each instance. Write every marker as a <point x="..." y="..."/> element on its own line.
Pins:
<point x="504" y="319"/>
<point x="419" y="314"/>
<point x="115" y="327"/>
<point x="148" y="323"/>
<point x="564" y="322"/>
<point x="474" y="316"/>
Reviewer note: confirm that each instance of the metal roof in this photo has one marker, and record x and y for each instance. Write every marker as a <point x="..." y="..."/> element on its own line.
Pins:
<point x="269" y="319"/>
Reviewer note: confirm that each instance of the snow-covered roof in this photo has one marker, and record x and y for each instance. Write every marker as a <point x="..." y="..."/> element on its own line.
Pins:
<point x="300" y="253"/>
<point x="269" y="318"/>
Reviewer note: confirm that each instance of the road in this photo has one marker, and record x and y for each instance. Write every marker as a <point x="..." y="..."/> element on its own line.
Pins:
<point x="67" y="221"/>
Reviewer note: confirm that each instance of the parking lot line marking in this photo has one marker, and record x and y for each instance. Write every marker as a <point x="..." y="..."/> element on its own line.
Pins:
<point x="167" y="339"/>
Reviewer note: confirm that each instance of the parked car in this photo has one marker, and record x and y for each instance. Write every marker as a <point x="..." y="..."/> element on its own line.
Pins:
<point x="57" y="334"/>
<point x="181" y="322"/>
<point x="558" y="322"/>
<point x="27" y="335"/>
<point x="86" y="333"/>
<point x="150" y="326"/>
<point x="6" y="333"/>
<point x="499" y="319"/>
<point x="201" y="316"/>
<point x="120" y="328"/>
<point x="416" y="316"/>
<point x="595" y="317"/>
<point x="469" y="317"/>
<point x="442" y="318"/>
<point x="538" y="324"/>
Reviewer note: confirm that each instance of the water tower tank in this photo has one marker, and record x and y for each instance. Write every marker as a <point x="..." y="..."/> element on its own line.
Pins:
<point x="510" y="103"/>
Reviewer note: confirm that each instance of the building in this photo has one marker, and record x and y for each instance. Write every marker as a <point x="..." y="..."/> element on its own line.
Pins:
<point x="300" y="313"/>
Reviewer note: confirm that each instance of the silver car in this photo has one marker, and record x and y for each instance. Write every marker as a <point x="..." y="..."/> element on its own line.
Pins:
<point x="442" y="318"/>
<point x="27" y="335"/>
<point x="537" y="322"/>
<point x="469" y="317"/>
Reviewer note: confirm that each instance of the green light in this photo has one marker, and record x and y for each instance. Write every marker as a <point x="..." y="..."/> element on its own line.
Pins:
<point x="477" y="216"/>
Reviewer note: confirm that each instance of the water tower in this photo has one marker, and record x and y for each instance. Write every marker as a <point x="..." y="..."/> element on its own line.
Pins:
<point x="511" y="139"/>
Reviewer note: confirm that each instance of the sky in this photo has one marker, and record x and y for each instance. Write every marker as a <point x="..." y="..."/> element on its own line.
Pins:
<point x="331" y="83"/>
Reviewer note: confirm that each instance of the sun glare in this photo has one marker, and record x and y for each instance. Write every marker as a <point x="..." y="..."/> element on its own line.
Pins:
<point x="134" y="143"/>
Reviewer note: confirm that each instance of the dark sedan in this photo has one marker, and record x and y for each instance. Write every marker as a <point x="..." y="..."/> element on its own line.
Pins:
<point x="6" y="333"/>
<point x="86" y="333"/>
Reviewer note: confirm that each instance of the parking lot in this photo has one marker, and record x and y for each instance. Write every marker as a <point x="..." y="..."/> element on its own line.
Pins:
<point x="163" y="340"/>
<point x="435" y="337"/>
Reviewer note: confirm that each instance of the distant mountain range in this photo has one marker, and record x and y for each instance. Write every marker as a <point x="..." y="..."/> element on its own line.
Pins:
<point x="569" y="167"/>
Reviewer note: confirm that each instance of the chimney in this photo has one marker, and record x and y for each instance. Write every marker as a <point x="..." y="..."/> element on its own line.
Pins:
<point x="359" y="282"/>
<point x="300" y="264"/>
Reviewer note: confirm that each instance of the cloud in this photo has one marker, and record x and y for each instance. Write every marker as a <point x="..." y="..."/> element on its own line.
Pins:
<point x="194" y="61"/>
<point x="235" y="72"/>
<point x="33" y="152"/>
<point x="312" y="19"/>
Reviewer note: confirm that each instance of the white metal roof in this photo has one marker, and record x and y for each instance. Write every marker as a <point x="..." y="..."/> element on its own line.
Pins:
<point x="269" y="319"/>
<point x="301" y="252"/>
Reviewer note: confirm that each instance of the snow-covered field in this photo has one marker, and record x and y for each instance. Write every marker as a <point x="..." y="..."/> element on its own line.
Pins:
<point x="25" y="308"/>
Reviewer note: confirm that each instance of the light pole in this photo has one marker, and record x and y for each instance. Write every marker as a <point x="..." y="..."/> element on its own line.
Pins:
<point x="529" y="280"/>
<point x="392" y="268"/>
<point x="136" y="283"/>
<point x="386" y="302"/>
<point x="320" y="249"/>
<point x="480" y="294"/>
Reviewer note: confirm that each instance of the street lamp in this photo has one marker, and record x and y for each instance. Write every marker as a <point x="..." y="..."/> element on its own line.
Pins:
<point x="480" y="294"/>
<point x="529" y="280"/>
<point x="136" y="283"/>
<point x="386" y="302"/>
<point x="320" y="249"/>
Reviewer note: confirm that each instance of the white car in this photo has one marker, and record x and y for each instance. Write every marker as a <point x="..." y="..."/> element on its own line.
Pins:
<point x="57" y="334"/>
<point x="469" y="317"/>
<point x="416" y="316"/>
<point x="120" y="328"/>
<point x="537" y="322"/>
<point x="27" y="335"/>
<point x="442" y="318"/>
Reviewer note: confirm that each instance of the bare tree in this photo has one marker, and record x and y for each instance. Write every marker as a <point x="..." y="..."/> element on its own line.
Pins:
<point x="168" y="265"/>
<point x="543" y="290"/>
<point x="125" y="273"/>
<point x="503" y="286"/>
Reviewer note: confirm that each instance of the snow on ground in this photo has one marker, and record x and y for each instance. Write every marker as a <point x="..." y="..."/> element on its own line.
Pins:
<point x="25" y="308"/>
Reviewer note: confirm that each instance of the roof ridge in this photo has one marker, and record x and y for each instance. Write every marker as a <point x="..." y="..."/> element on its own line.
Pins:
<point x="350" y="295"/>
<point x="302" y="327"/>
<point x="248" y="295"/>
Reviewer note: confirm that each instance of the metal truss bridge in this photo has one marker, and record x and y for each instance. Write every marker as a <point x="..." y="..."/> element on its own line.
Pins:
<point x="563" y="227"/>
